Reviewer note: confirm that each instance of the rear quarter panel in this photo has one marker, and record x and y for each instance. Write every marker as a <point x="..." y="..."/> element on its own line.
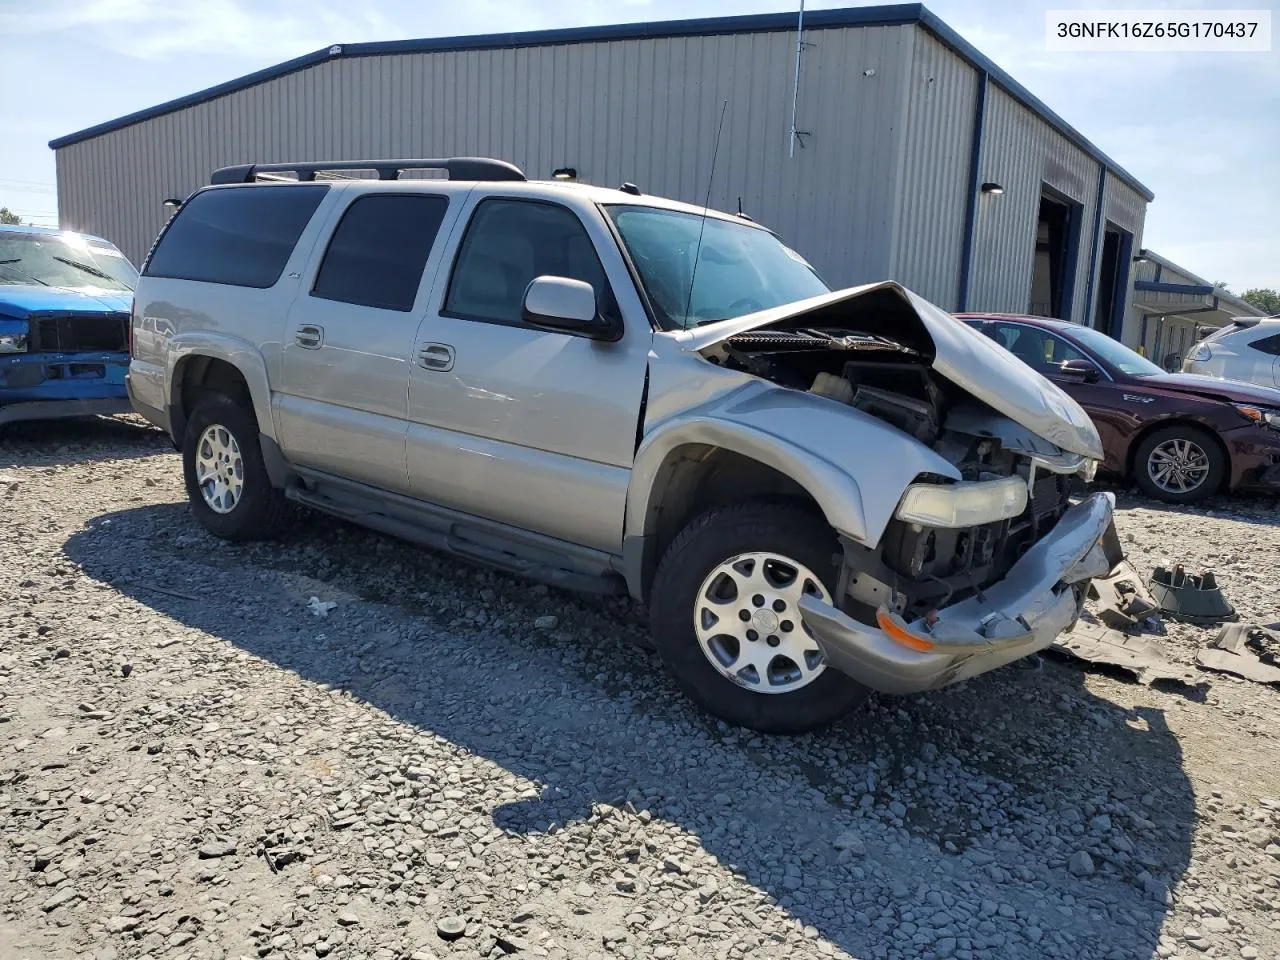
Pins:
<point x="174" y="320"/>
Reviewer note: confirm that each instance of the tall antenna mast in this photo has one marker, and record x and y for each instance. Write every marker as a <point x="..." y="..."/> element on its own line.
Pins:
<point x="706" y="209"/>
<point x="795" y="91"/>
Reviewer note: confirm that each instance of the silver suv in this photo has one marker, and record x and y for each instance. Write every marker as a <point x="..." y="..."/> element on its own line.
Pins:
<point x="817" y="493"/>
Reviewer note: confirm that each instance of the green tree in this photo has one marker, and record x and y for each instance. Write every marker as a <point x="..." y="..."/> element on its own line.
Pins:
<point x="1264" y="298"/>
<point x="9" y="217"/>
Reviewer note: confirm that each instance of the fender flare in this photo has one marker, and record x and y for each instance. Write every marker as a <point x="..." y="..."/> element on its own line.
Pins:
<point x="835" y="491"/>
<point x="241" y="354"/>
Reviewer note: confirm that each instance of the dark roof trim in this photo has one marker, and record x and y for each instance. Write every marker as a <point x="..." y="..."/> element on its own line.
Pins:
<point x="1190" y="289"/>
<point x="878" y="16"/>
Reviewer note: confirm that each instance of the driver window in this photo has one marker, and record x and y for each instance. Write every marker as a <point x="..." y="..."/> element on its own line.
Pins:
<point x="1038" y="349"/>
<point x="509" y="243"/>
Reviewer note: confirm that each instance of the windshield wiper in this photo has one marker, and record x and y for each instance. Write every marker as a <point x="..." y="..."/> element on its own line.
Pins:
<point x="23" y="273"/>
<point x="93" y="271"/>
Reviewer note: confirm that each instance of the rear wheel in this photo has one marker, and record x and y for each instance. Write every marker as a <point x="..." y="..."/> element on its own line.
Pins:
<point x="226" y="479"/>
<point x="1179" y="464"/>
<point x="726" y="620"/>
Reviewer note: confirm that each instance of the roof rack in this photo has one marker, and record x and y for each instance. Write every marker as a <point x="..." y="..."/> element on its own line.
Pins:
<point x="458" y="168"/>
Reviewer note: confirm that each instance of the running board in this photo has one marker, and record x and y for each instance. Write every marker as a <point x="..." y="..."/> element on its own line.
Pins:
<point x="517" y="552"/>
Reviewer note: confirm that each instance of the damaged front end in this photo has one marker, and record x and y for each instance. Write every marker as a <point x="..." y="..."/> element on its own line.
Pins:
<point x="981" y="564"/>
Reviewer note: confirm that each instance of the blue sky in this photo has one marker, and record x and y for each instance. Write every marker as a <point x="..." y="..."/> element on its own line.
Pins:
<point x="1202" y="130"/>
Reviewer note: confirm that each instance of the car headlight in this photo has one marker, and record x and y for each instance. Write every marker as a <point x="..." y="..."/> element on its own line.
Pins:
<point x="13" y="343"/>
<point x="1263" y="415"/>
<point x="963" y="504"/>
<point x="1202" y="352"/>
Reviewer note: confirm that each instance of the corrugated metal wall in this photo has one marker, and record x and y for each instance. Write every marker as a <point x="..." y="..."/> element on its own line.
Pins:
<point x="1020" y="151"/>
<point x="638" y="110"/>
<point x="933" y="172"/>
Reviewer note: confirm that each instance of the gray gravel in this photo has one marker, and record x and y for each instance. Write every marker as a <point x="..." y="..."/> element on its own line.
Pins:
<point x="451" y="762"/>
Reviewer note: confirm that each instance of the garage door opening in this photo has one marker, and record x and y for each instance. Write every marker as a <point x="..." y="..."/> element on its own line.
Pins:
<point x="1113" y="280"/>
<point x="1053" y="273"/>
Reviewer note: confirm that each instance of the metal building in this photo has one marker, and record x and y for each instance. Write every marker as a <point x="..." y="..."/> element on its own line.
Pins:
<point x="913" y="156"/>
<point x="1173" y="308"/>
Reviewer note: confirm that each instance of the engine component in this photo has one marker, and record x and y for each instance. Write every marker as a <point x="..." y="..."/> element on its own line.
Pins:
<point x="833" y="387"/>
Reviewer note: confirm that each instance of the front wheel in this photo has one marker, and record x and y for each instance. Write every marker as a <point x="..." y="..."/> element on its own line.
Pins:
<point x="226" y="479"/>
<point x="1179" y="464"/>
<point x="725" y="617"/>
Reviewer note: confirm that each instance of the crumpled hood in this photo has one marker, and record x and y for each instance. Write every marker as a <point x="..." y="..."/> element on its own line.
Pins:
<point x="18" y="301"/>
<point x="1232" y="391"/>
<point x="961" y="355"/>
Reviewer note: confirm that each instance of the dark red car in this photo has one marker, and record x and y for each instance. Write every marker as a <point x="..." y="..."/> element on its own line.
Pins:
<point x="1180" y="437"/>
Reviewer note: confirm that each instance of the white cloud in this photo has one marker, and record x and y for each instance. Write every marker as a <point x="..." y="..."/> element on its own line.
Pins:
<point x="157" y="30"/>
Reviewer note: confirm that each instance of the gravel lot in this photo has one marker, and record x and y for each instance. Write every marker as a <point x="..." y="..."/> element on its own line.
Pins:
<point x="193" y="764"/>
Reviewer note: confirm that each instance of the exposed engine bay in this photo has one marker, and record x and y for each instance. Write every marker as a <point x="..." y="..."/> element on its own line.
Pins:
<point x="916" y="569"/>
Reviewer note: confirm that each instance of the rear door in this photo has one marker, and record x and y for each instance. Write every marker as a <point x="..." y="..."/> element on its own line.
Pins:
<point x="342" y="397"/>
<point x="532" y="428"/>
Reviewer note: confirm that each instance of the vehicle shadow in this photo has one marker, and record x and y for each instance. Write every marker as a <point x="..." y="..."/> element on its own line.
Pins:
<point x="961" y="808"/>
<point x="39" y="443"/>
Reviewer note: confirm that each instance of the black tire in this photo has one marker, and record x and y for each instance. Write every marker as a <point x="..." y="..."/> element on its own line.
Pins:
<point x="786" y="529"/>
<point x="1205" y="441"/>
<point x="261" y="509"/>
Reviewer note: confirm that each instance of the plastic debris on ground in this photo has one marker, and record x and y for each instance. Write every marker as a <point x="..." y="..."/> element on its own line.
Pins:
<point x="1244" y="650"/>
<point x="1097" y="643"/>
<point x="1190" y="598"/>
<point x="320" y="607"/>
<point x="1123" y="599"/>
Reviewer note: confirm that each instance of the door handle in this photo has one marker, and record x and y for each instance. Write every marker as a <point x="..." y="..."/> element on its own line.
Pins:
<point x="435" y="356"/>
<point x="309" y="336"/>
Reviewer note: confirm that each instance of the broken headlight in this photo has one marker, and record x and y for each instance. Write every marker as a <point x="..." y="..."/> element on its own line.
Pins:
<point x="1262" y="415"/>
<point x="963" y="504"/>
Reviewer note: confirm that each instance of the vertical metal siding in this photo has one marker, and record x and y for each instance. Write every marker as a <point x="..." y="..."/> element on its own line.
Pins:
<point x="638" y="110"/>
<point x="1021" y="152"/>
<point x="932" y="189"/>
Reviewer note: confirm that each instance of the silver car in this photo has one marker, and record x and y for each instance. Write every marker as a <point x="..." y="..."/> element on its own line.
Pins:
<point x="1245" y="349"/>
<point x="816" y="493"/>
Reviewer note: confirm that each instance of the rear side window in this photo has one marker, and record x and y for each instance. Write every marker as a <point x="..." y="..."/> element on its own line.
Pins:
<point x="508" y="244"/>
<point x="379" y="250"/>
<point x="1269" y="345"/>
<point x="240" y="236"/>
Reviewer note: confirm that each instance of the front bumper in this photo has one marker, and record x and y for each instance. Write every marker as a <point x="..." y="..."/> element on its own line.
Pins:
<point x="58" y="409"/>
<point x="1255" y="457"/>
<point x="1037" y="600"/>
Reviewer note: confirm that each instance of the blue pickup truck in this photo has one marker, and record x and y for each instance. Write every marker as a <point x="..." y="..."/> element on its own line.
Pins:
<point x="65" y="300"/>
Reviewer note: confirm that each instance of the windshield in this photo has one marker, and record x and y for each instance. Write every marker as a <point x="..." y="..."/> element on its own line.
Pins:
<point x="740" y="268"/>
<point x="63" y="260"/>
<point x="1115" y="353"/>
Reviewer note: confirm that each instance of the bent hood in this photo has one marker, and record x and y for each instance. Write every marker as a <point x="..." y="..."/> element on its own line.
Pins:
<point x="960" y="354"/>
<point x="18" y="301"/>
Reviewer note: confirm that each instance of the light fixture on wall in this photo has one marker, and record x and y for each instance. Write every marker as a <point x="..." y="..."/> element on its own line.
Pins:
<point x="992" y="188"/>
<point x="565" y="173"/>
<point x="171" y="205"/>
<point x="1141" y="257"/>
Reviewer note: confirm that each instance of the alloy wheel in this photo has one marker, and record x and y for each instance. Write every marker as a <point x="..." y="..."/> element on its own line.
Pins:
<point x="1178" y="465"/>
<point x="747" y="621"/>
<point x="219" y="469"/>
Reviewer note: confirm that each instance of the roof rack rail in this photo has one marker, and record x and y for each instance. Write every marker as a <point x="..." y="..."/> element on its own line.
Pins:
<point x="458" y="168"/>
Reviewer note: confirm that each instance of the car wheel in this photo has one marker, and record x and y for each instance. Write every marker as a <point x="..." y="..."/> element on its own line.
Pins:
<point x="1179" y="464"/>
<point x="227" y="483"/>
<point x="724" y="616"/>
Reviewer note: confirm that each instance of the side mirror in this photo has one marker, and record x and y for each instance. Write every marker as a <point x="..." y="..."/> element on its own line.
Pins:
<point x="1079" y="369"/>
<point x="566" y="306"/>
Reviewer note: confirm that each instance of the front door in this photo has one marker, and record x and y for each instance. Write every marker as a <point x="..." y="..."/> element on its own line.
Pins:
<point x="532" y="428"/>
<point x="342" y="397"/>
<point x="1101" y="398"/>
